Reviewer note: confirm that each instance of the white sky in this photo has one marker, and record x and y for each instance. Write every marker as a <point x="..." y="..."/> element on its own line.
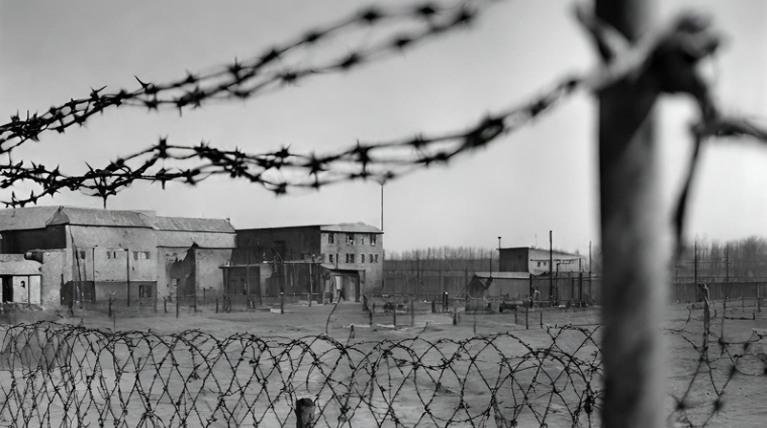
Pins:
<point x="540" y="178"/>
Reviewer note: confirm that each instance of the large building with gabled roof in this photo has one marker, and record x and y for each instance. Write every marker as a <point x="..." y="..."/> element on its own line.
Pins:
<point x="91" y="254"/>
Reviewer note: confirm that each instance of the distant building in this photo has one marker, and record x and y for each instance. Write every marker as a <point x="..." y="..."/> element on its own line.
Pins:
<point x="507" y="285"/>
<point x="536" y="261"/>
<point x="90" y="254"/>
<point x="346" y="256"/>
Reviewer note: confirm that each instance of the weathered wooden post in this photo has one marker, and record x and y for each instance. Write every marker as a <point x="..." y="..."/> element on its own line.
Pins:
<point x="282" y="302"/>
<point x="177" y="303"/>
<point x="634" y="227"/>
<point x="527" y="318"/>
<point x="394" y="315"/>
<point x="305" y="413"/>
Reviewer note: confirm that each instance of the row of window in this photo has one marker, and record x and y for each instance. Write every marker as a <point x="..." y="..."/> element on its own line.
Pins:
<point x="350" y="238"/>
<point x="115" y="254"/>
<point x="351" y="258"/>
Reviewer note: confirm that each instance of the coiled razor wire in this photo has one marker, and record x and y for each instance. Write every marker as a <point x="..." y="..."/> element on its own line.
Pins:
<point x="64" y="375"/>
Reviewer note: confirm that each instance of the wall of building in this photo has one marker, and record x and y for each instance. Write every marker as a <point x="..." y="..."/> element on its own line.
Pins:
<point x="55" y="270"/>
<point x="21" y="241"/>
<point x="292" y="243"/>
<point x="536" y="261"/>
<point x="166" y="257"/>
<point x="514" y="260"/>
<point x="109" y="262"/>
<point x="210" y="276"/>
<point x="185" y="239"/>
<point x="360" y="244"/>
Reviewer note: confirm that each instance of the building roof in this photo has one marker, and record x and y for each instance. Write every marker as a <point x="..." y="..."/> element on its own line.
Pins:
<point x="503" y="275"/>
<point x="40" y="217"/>
<point x="100" y="217"/>
<point x="214" y="225"/>
<point x="358" y="227"/>
<point x="26" y="218"/>
<point x="545" y="252"/>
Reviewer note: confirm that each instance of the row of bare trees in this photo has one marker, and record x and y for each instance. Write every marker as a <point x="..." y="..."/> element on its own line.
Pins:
<point x="734" y="260"/>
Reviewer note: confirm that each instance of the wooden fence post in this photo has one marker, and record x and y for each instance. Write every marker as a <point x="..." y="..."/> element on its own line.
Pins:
<point x="305" y="413"/>
<point x="634" y="227"/>
<point x="527" y="318"/>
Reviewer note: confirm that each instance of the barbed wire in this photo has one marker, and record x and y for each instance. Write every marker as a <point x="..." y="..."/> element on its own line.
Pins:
<point x="280" y="169"/>
<point x="717" y="361"/>
<point x="75" y="375"/>
<point x="248" y="78"/>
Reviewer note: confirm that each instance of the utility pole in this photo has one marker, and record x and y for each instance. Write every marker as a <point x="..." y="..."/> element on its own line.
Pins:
<point x="499" y="254"/>
<point x="382" y="205"/>
<point x="551" y="266"/>
<point x="127" y="271"/>
<point x="311" y="282"/>
<point x="695" y="263"/>
<point x="634" y="226"/>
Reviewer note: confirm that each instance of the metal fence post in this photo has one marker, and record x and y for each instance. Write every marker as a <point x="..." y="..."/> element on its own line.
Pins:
<point x="177" y="303"/>
<point x="282" y="302"/>
<point x="412" y="312"/>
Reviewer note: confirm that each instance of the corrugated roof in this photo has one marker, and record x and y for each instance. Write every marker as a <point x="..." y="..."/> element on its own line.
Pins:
<point x="26" y="218"/>
<point x="503" y="275"/>
<point x="350" y="227"/>
<point x="100" y="217"/>
<point x="217" y="225"/>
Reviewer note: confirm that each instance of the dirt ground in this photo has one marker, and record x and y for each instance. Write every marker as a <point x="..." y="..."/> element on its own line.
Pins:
<point x="743" y="397"/>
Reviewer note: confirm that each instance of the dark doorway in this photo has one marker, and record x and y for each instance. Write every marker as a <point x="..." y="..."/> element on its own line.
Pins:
<point x="7" y="288"/>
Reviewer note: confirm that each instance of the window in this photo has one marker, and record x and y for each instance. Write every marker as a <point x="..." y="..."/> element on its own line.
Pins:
<point x="350" y="239"/>
<point x="112" y="254"/>
<point x="330" y="256"/>
<point x="362" y="240"/>
<point x="376" y="258"/>
<point x="331" y="238"/>
<point x="81" y="254"/>
<point x="140" y="255"/>
<point x="362" y="259"/>
<point x="370" y="258"/>
<point x="145" y="291"/>
<point x="350" y="258"/>
<point x="539" y="264"/>
<point x="373" y="239"/>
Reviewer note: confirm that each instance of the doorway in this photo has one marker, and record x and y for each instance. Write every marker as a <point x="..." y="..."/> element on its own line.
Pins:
<point x="7" y="288"/>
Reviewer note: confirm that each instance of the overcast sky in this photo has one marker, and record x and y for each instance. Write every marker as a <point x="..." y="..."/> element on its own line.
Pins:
<point x="538" y="179"/>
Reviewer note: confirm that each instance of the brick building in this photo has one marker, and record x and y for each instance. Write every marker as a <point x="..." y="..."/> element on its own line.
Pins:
<point x="316" y="258"/>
